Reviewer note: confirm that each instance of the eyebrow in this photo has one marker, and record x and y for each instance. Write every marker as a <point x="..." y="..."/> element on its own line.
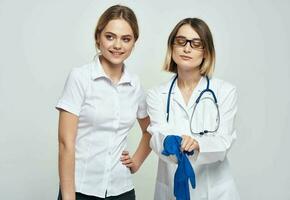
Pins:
<point x="128" y="35"/>
<point x="181" y="36"/>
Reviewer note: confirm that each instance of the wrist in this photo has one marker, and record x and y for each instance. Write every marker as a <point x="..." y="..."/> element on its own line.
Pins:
<point x="69" y="197"/>
<point x="136" y="165"/>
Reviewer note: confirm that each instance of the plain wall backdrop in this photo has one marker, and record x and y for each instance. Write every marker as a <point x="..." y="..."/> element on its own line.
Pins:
<point x="42" y="40"/>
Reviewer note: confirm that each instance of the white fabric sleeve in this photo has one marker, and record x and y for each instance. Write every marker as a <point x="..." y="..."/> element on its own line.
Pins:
<point x="214" y="147"/>
<point x="73" y="93"/>
<point x="158" y="127"/>
<point x="142" y="106"/>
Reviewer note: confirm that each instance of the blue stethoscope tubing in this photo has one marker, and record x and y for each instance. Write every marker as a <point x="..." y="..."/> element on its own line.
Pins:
<point x="214" y="100"/>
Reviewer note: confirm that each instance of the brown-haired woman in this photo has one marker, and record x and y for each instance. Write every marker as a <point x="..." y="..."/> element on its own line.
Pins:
<point x="99" y="105"/>
<point x="199" y="111"/>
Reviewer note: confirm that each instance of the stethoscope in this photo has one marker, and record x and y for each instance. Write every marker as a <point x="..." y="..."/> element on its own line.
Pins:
<point x="214" y="100"/>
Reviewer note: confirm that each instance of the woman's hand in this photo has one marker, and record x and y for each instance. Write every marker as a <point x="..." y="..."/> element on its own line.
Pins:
<point x="189" y="144"/>
<point x="129" y="162"/>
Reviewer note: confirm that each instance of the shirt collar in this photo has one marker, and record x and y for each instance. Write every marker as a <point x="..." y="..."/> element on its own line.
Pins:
<point x="126" y="77"/>
<point x="177" y="96"/>
<point x="98" y="72"/>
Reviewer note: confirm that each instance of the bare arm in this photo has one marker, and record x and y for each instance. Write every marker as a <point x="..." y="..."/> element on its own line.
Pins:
<point x="142" y="151"/>
<point x="66" y="161"/>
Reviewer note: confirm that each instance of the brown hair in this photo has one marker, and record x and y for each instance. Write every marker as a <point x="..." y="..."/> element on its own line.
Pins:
<point x="117" y="12"/>
<point x="207" y="65"/>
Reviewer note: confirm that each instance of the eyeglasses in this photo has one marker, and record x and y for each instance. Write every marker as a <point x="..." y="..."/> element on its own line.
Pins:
<point x="195" y="43"/>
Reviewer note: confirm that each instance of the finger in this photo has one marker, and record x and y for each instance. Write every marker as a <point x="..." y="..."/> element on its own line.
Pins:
<point x="184" y="142"/>
<point x="196" y="145"/>
<point x="188" y="145"/>
<point x="126" y="162"/>
<point x="125" y="158"/>
<point x="192" y="147"/>
<point x="129" y="164"/>
<point x="125" y="152"/>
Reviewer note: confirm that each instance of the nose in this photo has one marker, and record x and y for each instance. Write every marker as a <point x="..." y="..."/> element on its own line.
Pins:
<point x="187" y="48"/>
<point x="117" y="44"/>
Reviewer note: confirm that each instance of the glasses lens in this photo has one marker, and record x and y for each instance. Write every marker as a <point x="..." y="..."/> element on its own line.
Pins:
<point x="181" y="41"/>
<point x="196" y="44"/>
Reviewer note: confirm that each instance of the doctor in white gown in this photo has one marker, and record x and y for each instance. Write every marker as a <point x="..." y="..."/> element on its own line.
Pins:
<point x="191" y="56"/>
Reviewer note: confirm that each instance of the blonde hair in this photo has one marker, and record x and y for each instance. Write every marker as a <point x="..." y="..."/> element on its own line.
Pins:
<point x="117" y="12"/>
<point x="207" y="65"/>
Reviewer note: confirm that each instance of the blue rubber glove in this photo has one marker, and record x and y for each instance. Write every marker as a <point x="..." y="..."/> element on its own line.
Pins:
<point x="184" y="171"/>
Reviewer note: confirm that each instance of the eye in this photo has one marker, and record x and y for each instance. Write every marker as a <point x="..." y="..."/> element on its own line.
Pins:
<point x="197" y="43"/>
<point x="180" y="40"/>
<point x="126" y="39"/>
<point x="109" y="37"/>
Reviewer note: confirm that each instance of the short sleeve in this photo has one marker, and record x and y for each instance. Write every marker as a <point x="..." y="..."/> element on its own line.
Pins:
<point x="73" y="93"/>
<point x="142" y="106"/>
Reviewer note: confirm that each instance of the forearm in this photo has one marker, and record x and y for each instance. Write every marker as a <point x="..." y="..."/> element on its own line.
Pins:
<point x="66" y="171"/>
<point x="143" y="149"/>
<point x="213" y="149"/>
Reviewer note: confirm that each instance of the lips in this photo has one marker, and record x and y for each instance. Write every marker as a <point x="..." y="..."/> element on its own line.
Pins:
<point x="185" y="57"/>
<point x="116" y="53"/>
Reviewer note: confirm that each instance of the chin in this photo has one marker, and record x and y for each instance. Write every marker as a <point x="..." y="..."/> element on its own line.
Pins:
<point x="187" y="67"/>
<point x="115" y="61"/>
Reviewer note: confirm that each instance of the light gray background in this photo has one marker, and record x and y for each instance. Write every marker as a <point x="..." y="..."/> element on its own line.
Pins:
<point x="41" y="40"/>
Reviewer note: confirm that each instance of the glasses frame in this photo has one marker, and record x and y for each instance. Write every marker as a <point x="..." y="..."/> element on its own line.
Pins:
<point x="191" y="42"/>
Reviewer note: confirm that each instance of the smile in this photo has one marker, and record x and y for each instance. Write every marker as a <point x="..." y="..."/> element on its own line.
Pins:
<point x="116" y="53"/>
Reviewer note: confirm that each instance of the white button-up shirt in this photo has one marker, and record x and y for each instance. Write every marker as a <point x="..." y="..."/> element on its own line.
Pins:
<point x="106" y="114"/>
<point x="213" y="177"/>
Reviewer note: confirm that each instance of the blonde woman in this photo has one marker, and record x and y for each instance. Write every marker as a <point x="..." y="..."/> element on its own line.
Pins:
<point x="98" y="107"/>
<point x="199" y="110"/>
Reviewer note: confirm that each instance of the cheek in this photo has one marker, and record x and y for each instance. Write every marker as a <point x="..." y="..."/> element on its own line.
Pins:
<point x="175" y="54"/>
<point x="101" y="48"/>
<point x="128" y="48"/>
<point x="104" y="45"/>
<point x="198" y="56"/>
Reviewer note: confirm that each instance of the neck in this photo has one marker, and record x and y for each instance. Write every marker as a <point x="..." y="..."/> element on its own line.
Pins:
<point x="113" y="71"/>
<point x="188" y="79"/>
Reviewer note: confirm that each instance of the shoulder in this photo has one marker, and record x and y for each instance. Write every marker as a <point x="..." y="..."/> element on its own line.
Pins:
<point x="160" y="91"/>
<point x="135" y="79"/>
<point x="224" y="89"/>
<point x="81" y="73"/>
<point x="222" y="85"/>
<point x="162" y="88"/>
<point x="157" y="90"/>
<point x="79" y="76"/>
<point x="83" y="70"/>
